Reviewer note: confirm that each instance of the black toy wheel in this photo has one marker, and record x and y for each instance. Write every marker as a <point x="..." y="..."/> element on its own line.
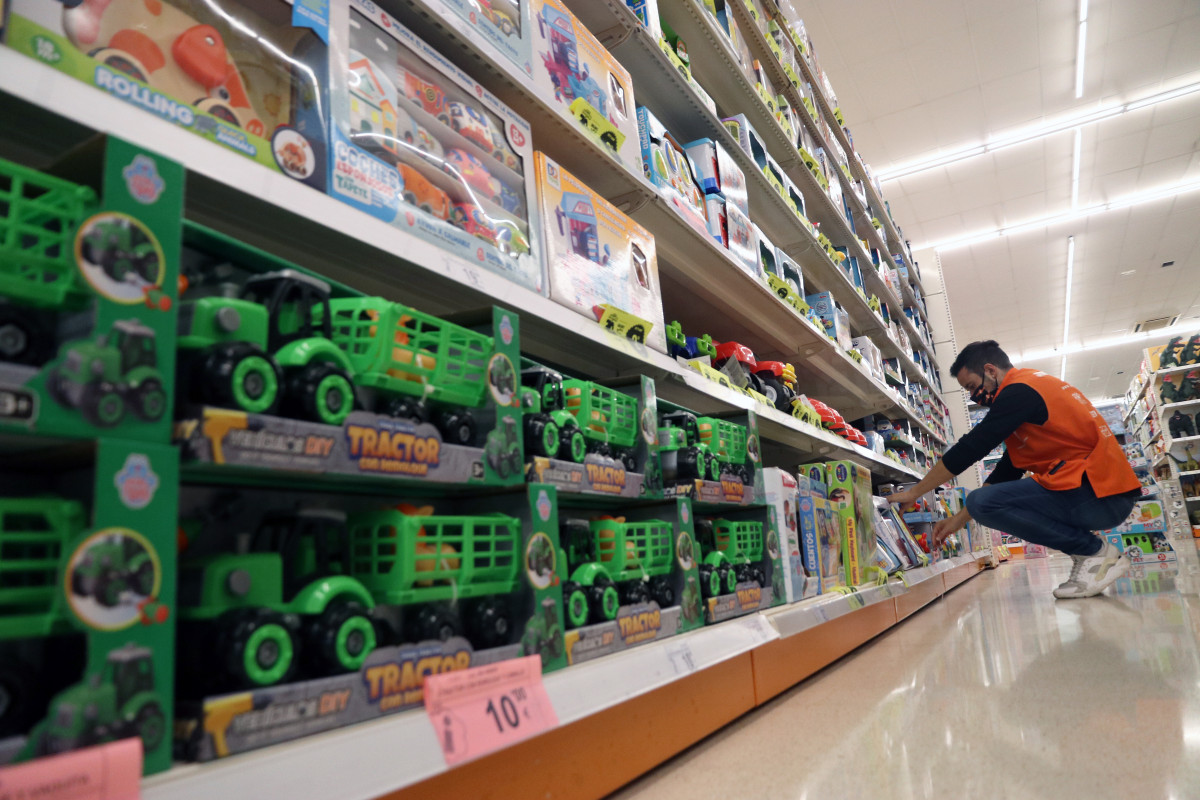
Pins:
<point x="102" y="405"/>
<point x="628" y="460"/>
<point x="457" y="427"/>
<point x="151" y="725"/>
<point x="689" y="464"/>
<point x="108" y="588"/>
<point x="341" y="639"/>
<point x="143" y="579"/>
<point x="489" y="623"/>
<point x="575" y="604"/>
<point x="710" y="581"/>
<point x="238" y="375"/>
<point x="573" y="444"/>
<point x="121" y="61"/>
<point x="635" y="592"/>
<point x="24" y="339"/>
<point x="320" y="392"/>
<point x="756" y="383"/>
<point x="149" y="400"/>
<point x="219" y="109"/>
<point x="260" y="647"/>
<point x="662" y="592"/>
<point x="542" y="436"/>
<point x="728" y="579"/>
<point x="603" y="600"/>
<point x="406" y="408"/>
<point x="18" y="693"/>
<point x="756" y="574"/>
<point x="743" y="572"/>
<point x="435" y="623"/>
<point x="772" y="389"/>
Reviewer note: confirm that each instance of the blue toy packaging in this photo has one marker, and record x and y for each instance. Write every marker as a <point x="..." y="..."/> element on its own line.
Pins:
<point x="667" y="165"/>
<point x="820" y="536"/>
<point x="717" y="172"/>
<point x="833" y="317"/>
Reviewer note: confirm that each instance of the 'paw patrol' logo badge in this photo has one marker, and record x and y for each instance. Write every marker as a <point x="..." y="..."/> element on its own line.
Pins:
<point x="143" y="180"/>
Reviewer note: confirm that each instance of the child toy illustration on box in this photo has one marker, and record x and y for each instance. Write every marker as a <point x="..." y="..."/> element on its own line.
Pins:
<point x="580" y="227"/>
<point x="571" y="79"/>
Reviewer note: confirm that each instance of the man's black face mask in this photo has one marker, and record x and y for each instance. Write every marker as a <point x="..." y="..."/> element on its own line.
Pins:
<point x="983" y="396"/>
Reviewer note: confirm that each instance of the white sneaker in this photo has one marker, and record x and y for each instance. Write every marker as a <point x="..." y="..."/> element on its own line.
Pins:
<point x="1091" y="575"/>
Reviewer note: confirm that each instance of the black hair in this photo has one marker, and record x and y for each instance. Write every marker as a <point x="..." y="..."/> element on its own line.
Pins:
<point x="978" y="354"/>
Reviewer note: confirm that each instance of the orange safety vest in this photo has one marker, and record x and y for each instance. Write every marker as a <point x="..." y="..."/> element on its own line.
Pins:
<point x="1073" y="441"/>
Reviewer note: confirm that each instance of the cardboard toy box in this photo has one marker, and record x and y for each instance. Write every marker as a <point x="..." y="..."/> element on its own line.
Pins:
<point x="503" y="26"/>
<point x="598" y="259"/>
<point x="630" y="574"/>
<point x="406" y="585"/>
<point x="783" y="492"/>
<point x="258" y="92"/>
<point x="833" y="317"/>
<point x="743" y="241"/>
<point x="587" y="438"/>
<point x="667" y="165"/>
<point x="88" y="597"/>
<point x="419" y="144"/>
<point x="361" y="386"/>
<point x="709" y="459"/>
<point x="89" y="277"/>
<point x="575" y="74"/>
<point x="850" y="497"/>
<point x="718" y="173"/>
<point x="741" y="562"/>
<point x="821" y="537"/>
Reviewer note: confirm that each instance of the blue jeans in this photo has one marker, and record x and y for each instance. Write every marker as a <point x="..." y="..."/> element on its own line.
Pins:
<point x="1062" y="520"/>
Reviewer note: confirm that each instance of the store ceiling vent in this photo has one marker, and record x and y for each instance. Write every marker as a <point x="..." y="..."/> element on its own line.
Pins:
<point x="1155" y="323"/>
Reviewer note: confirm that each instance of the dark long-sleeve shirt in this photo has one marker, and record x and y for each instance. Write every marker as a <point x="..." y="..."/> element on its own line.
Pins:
<point x="1016" y="405"/>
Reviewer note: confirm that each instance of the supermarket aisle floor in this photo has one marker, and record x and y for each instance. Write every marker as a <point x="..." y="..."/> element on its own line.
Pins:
<point x="997" y="691"/>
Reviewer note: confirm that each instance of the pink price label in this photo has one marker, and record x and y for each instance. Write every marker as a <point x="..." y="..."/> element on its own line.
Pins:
<point x="478" y="710"/>
<point x="106" y="772"/>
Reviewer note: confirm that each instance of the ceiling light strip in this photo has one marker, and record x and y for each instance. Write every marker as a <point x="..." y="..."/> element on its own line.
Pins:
<point x="1062" y="370"/>
<point x="1187" y="328"/>
<point x="1081" y="48"/>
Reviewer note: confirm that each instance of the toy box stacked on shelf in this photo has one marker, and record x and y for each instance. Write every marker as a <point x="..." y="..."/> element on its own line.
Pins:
<point x="504" y="26"/>
<point x="783" y="492"/>
<point x="834" y="318"/>
<point x="299" y="375"/>
<point x="821" y="537"/>
<point x="708" y="459"/>
<point x="850" y="496"/>
<point x="740" y="560"/>
<point x="667" y="165"/>
<point x="335" y="607"/>
<point x="601" y="263"/>
<point x="631" y="574"/>
<point x="1142" y="536"/>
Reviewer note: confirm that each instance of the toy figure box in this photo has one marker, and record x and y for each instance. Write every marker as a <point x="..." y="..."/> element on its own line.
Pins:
<point x="740" y="560"/>
<point x="667" y="165"/>
<point x="1146" y="517"/>
<point x="821" y="537"/>
<point x="88" y="283"/>
<point x="782" y="491"/>
<point x="718" y="173"/>
<point x="244" y="74"/>
<point x="504" y="26"/>
<point x="293" y="373"/>
<point x="601" y="263"/>
<point x="87" y="598"/>
<point x="850" y="497"/>
<point x="419" y="144"/>
<point x="302" y="612"/>
<point x="575" y="74"/>
<point x="630" y="575"/>
<point x="709" y="459"/>
<point x="584" y="437"/>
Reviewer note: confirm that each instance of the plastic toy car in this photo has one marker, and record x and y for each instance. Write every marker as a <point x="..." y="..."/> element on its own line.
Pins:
<point x="502" y="152"/>
<point x="471" y="170"/>
<point x="419" y="192"/>
<point x="510" y="200"/>
<point x="744" y="356"/>
<point x="510" y="239"/>
<point x="470" y="218"/>
<point x="501" y="19"/>
<point x="471" y="124"/>
<point x="428" y="96"/>
<point x="779" y="383"/>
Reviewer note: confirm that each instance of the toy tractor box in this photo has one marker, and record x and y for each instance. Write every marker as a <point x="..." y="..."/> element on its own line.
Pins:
<point x="419" y="144"/>
<point x="585" y="437"/>
<point x="739" y="559"/>
<point x="630" y="574"/>
<point x="88" y="288"/>
<point x="246" y="75"/>
<point x="709" y="459"/>
<point x="87" y="598"/>
<point x="821" y="537"/>
<point x="280" y="370"/>
<point x="668" y="166"/>
<point x="301" y="612"/>
<point x="850" y="497"/>
<point x="601" y="263"/>
<point x="783" y="493"/>
<point x="502" y="27"/>
<point x="577" y="76"/>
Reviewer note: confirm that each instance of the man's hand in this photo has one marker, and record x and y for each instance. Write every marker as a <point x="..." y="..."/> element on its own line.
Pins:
<point x="944" y="528"/>
<point x="905" y="498"/>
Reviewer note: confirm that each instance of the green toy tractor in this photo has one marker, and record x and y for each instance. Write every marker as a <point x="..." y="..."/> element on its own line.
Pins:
<point x="111" y="566"/>
<point x="543" y="634"/>
<point x="118" y="703"/>
<point x="550" y="429"/>
<point x="104" y="377"/>
<point x="614" y="562"/>
<point x="503" y="448"/>
<point x="607" y="418"/>
<point x="732" y="554"/>
<point x="121" y="251"/>
<point x="694" y="447"/>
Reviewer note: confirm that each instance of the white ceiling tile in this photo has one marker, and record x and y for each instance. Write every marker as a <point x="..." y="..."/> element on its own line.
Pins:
<point x="1136" y="62"/>
<point x="929" y="63"/>
<point x="1120" y="153"/>
<point x="1184" y="53"/>
<point x="1172" y="139"/>
<point x="1013" y="100"/>
<point x="1022" y="180"/>
<point x="917" y="22"/>
<point x="1006" y="44"/>
<point x="957" y="118"/>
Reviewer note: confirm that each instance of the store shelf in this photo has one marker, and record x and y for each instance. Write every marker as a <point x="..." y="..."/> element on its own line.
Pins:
<point x="1173" y="406"/>
<point x="1176" y="370"/>
<point x="1185" y="440"/>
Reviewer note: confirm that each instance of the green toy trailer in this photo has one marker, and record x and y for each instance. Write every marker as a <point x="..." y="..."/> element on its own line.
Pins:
<point x="726" y="441"/>
<point x="731" y="552"/>
<point x="607" y="418"/>
<point x="614" y="562"/>
<point x="116" y="371"/>
<point x="694" y="447"/>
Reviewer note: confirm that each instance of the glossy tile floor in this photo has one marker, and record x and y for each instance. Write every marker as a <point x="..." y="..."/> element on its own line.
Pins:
<point x="996" y="691"/>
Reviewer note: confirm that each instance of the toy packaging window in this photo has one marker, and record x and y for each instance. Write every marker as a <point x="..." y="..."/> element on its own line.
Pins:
<point x="502" y="24"/>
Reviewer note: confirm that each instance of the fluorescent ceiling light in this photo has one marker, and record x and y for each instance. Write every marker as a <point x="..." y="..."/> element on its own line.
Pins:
<point x="1075" y="167"/>
<point x="1063" y="216"/>
<point x="1081" y="49"/>
<point x="1030" y="134"/>
<point x="1062" y="370"/>
<point x="1102" y="344"/>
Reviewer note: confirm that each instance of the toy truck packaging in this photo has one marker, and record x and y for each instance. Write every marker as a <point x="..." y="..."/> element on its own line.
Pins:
<point x="584" y="437"/>
<point x="668" y="166"/>
<point x="709" y="459"/>
<point x="88" y="286"/>
<point x="500" y="26"/>
<point x="741" y="564"/>
<point x="821" y="537"/>
<point x="244" y="74"/>
<point x="280" y="370"/>
<point x="630" y="575"/>
<point x="87" y="600"/>
<point x="419" y="144"/>
<point x="850" y="497"/>
<point x="601" y="263"/>
<point x="306" y="612"/>
<point x="575" y="74"/>
<point x="783" y="492"/>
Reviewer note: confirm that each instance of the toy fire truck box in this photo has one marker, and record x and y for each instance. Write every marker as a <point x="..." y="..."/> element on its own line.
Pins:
<point x="245" y="74"/>
<point x="601" y="263"/>
<point x="574" y="73"/>
<point x="301" y="612"/>
<point x="740" y="560"/>
<point x="419" y="144"/>
<point x="501" y="26"/>
<point x="718" y="172"/>
<point x="782" y="493"/>
<point x="669" y="167"/>
<point x="850" y="497"/>
<point x="587" y="438"/>
<point x="88" y="288"/>
<point x="709" y="459"/>
<point x="630" y="576"/>
<point x="87" y="598"/>
<point x="315" y="378"/>
<point x="743" y="241"/>
<point x="821" y="537"/>
<point x="833" y="317"/>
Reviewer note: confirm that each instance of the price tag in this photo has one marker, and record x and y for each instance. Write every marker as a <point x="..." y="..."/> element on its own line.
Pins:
<point x="478" y="710"/>
<point x="106" y="772"/>
<point x="681" y="658"/>
<point x="760" y="627"/>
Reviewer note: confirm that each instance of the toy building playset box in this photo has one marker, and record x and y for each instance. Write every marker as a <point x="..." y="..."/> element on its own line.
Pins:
<point x="87" y="599"/>
<point x="741" y="562"/>
<point x="281" y="370"/>
<point x="820" y="534"/>
<point x="783" y="491"/>
<point x="600" y="262"/>
<point x="584" y="437"/>
<point x="245" y="74"/>
<point x="420" y="144"/>
<point x="302" y="612"/>
<point x="577" y="76"/>
<point x="88" y="274"/>
<point x="709" y="459"/>
<point x="632" y="574"/>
